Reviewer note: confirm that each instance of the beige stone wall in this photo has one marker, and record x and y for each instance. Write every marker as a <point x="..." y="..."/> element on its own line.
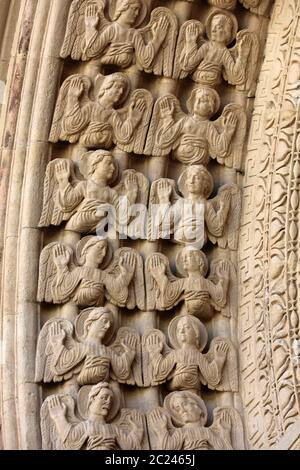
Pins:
<point x="263" y="299"/>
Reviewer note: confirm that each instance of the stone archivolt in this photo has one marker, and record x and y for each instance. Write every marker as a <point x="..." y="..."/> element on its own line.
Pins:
<point x="153" y="108"/>
<point x="107" y="119"/>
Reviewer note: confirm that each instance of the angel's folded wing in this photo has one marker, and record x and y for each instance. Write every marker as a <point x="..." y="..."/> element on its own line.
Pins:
<point x="161" y="138"/>
<point x="137" y="141"/>
<point x="229" y="376"/>
<point x="181" y="70"/>
<point x="135" y="377"/>
<point x="232" y="437"/>
<point x="162" y="63"/>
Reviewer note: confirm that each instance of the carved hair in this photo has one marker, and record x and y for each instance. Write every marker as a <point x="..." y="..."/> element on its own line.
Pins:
<point x="123" y="5"/>
<point x="91" y="242"/>
<point x="95" y="315"/>
<point x="110" y="80"/>
<point x="200" y="257"/>
<point x="95" y="158"/>
<point x="226" y="21"/>
<point x="96" y="390"/>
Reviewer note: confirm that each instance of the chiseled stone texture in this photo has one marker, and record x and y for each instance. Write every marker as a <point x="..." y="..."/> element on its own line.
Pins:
<point x="177" y="120"/>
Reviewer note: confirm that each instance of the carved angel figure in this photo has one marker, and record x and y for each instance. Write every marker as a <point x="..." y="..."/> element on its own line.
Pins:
<point x="92" y="119"/>
<point x="84" y="203"/>
<point x="194" y="218"/>
<point x="90" y="36"/>
<point x="201" y="296"/>
<point x="184" y="366"/>
<point x="84" y="279"/>
<point x="193" y="137"/>
<point x="208" y="61"/>
<point x="89" y="356"/>
<point x="90" y="425"/>
<point x="180" y="425"/>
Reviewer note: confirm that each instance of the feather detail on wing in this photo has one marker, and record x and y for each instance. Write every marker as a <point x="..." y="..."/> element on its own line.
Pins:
<point x="229" y="374"/>
<point x="234" y="156"/>
<point x="230" y="232"/>
<point x="154" y="439"/>
<point x="252" y="69"/>
<point x="48" y="272"/>
<point x="56" y="132"/>
<point x="148" y="374"/>
<point x="50" y="437"/>
<point x="44" y="370"/>
<point x="74" y="40"/>
<point x="52" y="213"/>
<point x="157" y="127"/>
<point x="123" y="334"/>
<point x="152" y="289"/>
<point x="162" y="64"/>
<point x="233" y="435"/>
<point x="124" y="422"/>
<point x="136" y="288"/>
<point x="179" y="70"/>
<point x="137" y="141"/>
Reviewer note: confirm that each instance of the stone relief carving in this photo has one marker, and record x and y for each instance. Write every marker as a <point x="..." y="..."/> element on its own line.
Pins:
<point x="117" y="41"/>
<point x="194" y="218"/>
<point x="84" y="203"/>
<point x="91" y="118"/>
<point x="193" y="137"/>
<point x="85" y="350"/>
<point x="256" y="6"/>
<point x="210" y="61"/>
<point x="88" y="275"/>
<point x="184" y="366"/>
<point x="89" y="422"/>
<point x="201" y="296"/>
<point x="180" y="425"/>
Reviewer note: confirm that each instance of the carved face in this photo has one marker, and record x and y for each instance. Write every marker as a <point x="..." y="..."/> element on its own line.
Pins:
<point x="203" y="104"/>
<point x="131" y="12"/>
<point x="101" y="403"/>
<point x="194" y="181"/>
<point x="188" y="410"/>
<point x="105" y="168"/>
<point x="96" y="253"/>
<point x="192" y="262"/>
<point x="221" y="29"/>
<point x="185" y="332"/>
<point x="100" y="327"/>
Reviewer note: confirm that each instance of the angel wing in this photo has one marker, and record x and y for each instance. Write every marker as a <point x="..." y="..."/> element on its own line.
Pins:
<point x="229" y="237"/>
<point x="136" y="371"/>
<point x="159" y="223"/>
<point x="180" y="70"/>
<point x="50" y="436"/>
<point x="162" y="64"/>
<point x="136" y="295"/>
<point x="155" y="442"/>
<point x="51" y="212"/>
<point x="151" y="285"/>
<point x="128" y="416"/>
<point x="142" y="183"/>
<point x="228" y="426"/>
<point x="156" y="130"/>
<point x="48" y="272"/>
<point x="57" y="130"/>
<point x="137" y="142"/>
<point x="229" y="380"/>
<point x="228" y="302"/>
<point x="73" y="44"/>
<point x="252" y="70"/>
<point x="149" y="378"/>
<point x="234" y="156"/>
<point x="44" y="353"/>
